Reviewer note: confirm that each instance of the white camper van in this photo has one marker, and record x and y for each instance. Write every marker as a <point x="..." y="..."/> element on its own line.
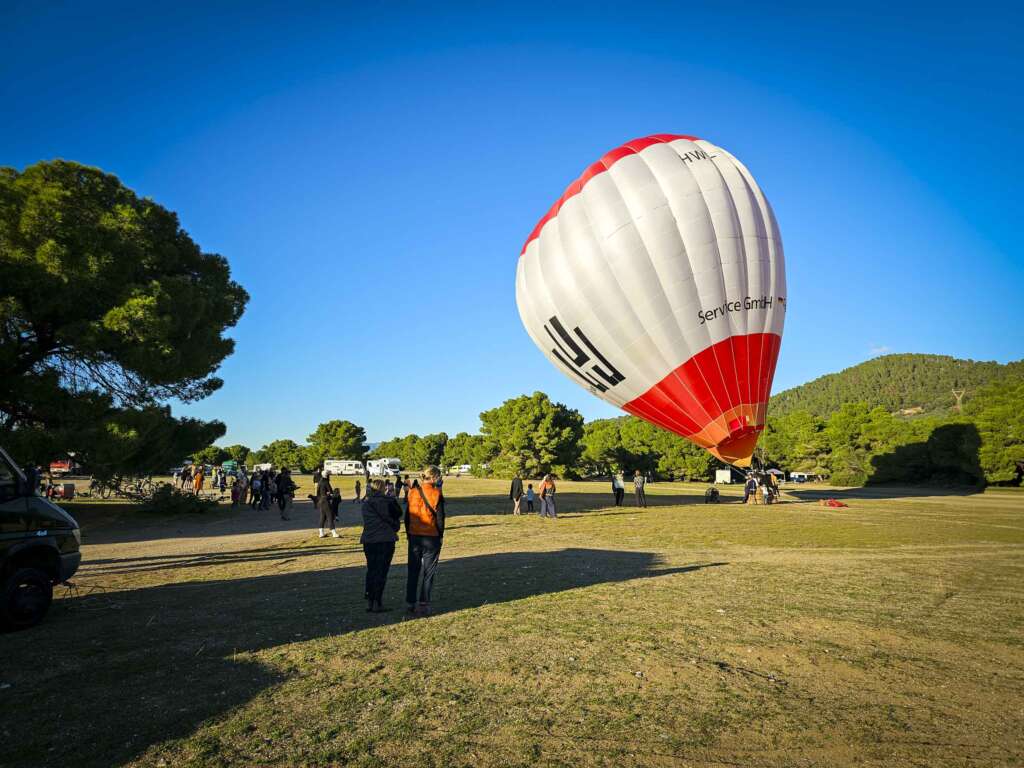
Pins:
<point x="384" y="467"/>
<point x="343" y="467"/>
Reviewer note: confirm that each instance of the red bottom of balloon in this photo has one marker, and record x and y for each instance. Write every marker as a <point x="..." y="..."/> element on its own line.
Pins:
<point x="718" y="398"/>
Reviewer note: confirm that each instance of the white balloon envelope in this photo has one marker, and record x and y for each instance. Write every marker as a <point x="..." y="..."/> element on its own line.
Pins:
<point x="657" y="281"/>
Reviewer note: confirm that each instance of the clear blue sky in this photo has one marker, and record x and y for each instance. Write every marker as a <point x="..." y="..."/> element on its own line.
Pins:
<point x="371" y="173"/>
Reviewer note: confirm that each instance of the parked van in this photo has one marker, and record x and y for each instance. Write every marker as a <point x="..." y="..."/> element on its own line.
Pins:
<point x="343" y="467"/>
<point x="39" y="547"/>
<point x="384" y="467"/>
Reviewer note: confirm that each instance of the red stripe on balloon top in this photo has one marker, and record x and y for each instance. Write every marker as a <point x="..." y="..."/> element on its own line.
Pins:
<point x="607" y="161"/>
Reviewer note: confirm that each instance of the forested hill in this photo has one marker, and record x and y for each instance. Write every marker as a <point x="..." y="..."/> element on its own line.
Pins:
<point x="896" y="382"/>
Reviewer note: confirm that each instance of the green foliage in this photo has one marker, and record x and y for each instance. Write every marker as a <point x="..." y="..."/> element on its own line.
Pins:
<point x="413" y="451"/>
<point x="239" y="453"/>
<point x="895" y="382"/>
<point x="137" y="442"/>
<point x="107" y="308"/>
<point x="283" y="453"/>
<point x="627" y="443"/>
<point x="168" y="500"/>
<point x="212" y="454"/>
<point x="998" y="412"/>
<point x="465" y="448"/>
<point x="532" y="436"/>
<point x="336" y="439"/>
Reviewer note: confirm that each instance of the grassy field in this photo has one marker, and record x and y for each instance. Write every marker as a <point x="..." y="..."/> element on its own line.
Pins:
<point x="889" y="633"/>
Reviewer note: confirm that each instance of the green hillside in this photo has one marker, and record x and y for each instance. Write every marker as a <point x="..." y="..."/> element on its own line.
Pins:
<point x="897" y="383"/>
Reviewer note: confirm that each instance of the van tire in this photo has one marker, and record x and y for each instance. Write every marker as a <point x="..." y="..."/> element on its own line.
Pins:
<point x="25" y="599"/>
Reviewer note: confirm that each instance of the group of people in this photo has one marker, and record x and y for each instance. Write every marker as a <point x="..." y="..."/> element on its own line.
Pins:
<point x="383" y="516"/>
<point x="547" y="496"/>
<point x="264" y="489"/>
<point x="762" y="487"/>
<point x="639" y="488"/>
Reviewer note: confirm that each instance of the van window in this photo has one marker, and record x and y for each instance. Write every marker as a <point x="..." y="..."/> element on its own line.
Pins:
<point x="8" y="481"/>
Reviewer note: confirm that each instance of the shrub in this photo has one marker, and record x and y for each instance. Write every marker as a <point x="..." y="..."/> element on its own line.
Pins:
<point x="168" y="500"/>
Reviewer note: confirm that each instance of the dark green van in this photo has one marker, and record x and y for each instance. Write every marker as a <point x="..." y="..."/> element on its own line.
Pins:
<point x="39" y="547"/>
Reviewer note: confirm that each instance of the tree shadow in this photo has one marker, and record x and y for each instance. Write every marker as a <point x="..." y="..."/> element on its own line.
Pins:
<point x="108" y="675"/>
<point x="948" y="463"/>
<point x="304" y="517"/>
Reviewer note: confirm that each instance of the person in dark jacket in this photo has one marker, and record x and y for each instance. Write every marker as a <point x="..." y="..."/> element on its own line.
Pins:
<point x="381" y="519"/>
<point x="285" y="492"/>
<point x="424" y="527"/>
<point x="516" y="493"/>
<point x="324" y="494"/>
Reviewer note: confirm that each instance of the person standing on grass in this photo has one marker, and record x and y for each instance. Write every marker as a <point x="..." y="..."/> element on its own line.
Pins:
<point x="618" y="488"/>
<point x="382" y="518"/>
<point x="265" y="489"/>
<point x="530" y="496"/>
<point x="749" y="487"/>
<point x="547" y="497"/>
<point x="359" y="491"/>
<point x="516" y="494"/>
<point x="197" y="481"/>
<point x="639" y="481"/>
<point x="285" y="492"/>
<point x="324" y="495"/>
<point x="424" y="528"/>
<point x="405" y="488"/>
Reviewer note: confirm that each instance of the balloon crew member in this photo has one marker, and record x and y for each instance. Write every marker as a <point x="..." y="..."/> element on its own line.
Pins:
<point x="424" y="528"/>
<point x="382" y="517"/>
<point x="530" y="496"/>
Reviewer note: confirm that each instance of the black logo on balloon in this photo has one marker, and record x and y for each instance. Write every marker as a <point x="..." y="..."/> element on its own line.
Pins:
<point x="600" y="377"/>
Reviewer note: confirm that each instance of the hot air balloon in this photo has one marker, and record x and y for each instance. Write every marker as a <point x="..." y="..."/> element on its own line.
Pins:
<point x="657" y="281"/>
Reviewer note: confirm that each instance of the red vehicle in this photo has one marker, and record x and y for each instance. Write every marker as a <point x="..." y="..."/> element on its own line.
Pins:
<point x="63" y="467"/>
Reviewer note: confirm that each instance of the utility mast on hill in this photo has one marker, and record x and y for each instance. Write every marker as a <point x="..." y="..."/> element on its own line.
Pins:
<point x="959" y="395"/>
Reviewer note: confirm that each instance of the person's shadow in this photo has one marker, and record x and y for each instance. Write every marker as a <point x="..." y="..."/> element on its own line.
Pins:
<point x="107" y="675"/>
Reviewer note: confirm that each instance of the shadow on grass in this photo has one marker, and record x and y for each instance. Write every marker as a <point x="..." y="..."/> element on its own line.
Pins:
<point x="879" y="492"/>
<point x="129" y="527"/>
<point x="567" y="502"/>
<point x="108" y="676"/>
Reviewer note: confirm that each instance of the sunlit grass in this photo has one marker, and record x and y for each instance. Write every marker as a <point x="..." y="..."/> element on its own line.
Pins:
<point x="885" y="633"/>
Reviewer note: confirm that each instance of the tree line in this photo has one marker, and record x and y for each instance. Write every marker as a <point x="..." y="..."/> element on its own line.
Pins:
<point x="856" y="445"/>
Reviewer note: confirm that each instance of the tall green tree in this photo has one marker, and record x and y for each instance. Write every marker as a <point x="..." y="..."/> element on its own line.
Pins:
<point x="239" y="453"/>
<point x="107" y="310"/>
<point x="211" y="454"/>
<point x="465" y="448"/>
<point x="283" y="453"/>
<point x="336" y="439"/>
<point x="532" y="435"/>
<point x="413" y="451"/>
<point x="998" y="412"/>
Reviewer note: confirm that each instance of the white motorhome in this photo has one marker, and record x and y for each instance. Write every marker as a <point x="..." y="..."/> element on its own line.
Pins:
<point x="343" y="467"/>
<point x="384" y="467"/>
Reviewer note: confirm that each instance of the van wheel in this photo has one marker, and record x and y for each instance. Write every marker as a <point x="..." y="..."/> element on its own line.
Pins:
<point x="27" y="594"/>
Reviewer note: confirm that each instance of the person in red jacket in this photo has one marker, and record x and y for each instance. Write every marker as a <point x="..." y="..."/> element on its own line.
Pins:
<point x="424" y="528"/>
